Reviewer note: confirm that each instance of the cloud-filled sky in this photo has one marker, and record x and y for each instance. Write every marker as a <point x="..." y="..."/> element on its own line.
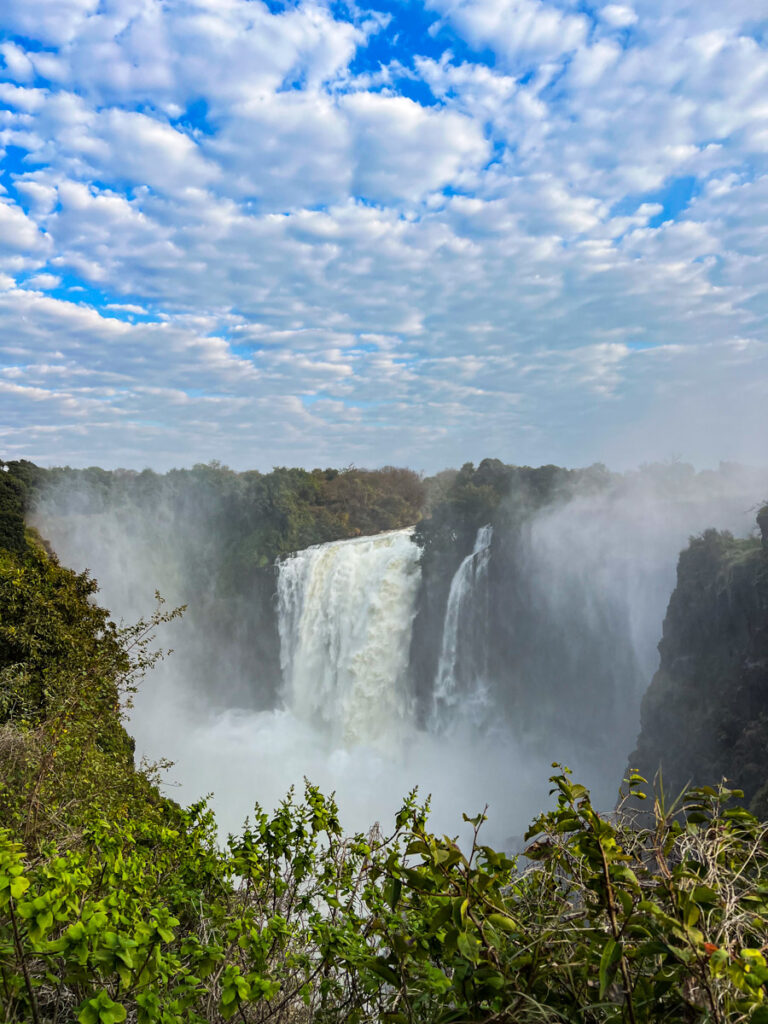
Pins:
<point x="383" y="232"/>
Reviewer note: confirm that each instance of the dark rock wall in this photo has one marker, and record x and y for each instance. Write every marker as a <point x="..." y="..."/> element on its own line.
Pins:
<point x="705" y="714"/>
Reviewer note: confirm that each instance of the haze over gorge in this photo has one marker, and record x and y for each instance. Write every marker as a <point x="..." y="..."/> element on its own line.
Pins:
<point x="457" y="633"/>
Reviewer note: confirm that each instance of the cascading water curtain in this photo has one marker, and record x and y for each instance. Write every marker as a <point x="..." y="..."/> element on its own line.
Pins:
<point x="345" y="612"/>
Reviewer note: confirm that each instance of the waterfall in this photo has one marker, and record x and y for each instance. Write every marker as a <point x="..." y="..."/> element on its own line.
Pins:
<point x="462" y="668"/>
<point x="345" y="611"/>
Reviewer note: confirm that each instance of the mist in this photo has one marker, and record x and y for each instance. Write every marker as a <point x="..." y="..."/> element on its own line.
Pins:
<point x="597" y="573"/>
<point x="308" y="673"/>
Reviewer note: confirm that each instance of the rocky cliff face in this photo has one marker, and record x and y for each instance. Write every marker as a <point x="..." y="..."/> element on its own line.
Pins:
<point x="705" y="714"/>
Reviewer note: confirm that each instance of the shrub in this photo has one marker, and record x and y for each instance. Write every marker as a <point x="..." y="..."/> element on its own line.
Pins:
<point x="620" y="918"/>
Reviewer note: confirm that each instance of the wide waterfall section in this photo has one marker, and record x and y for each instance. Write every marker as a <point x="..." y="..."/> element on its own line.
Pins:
<point x="462" y="671"/>
<point x="345" y="612"/>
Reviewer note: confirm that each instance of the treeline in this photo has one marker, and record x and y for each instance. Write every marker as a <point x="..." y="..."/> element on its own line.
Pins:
<point x="504" y="494"/>
<point x="210" y="536"/>
<point x="461" y="501"/>
<point x="116" y="904"/>
<point x="259" y="515"/>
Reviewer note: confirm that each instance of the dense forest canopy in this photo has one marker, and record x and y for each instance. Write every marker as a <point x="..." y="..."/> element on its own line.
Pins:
<point x="264" y="515"/>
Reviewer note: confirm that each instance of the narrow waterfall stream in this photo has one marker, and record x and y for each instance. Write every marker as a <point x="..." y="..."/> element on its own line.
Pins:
<point x="463" y="665"/>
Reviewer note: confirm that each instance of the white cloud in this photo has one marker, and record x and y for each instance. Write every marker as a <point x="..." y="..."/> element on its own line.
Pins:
<point x="51" y="21"/>
<point x="126" y="307"/>
<point x="28" y="100"/>
<point x="365" y="277"/>
<point x="146" y="151"/>
<point x="618" y="15"/>
<point x="17" y="64"/>
<point x="403" y="151"/>
<point x="592" y="62"/>
<point x="517" y="30"/>
<point x="38" y="194"/>
<point x="17" y="232"/>
<point x="164" y="53"/>
<point x="286" y="150"/>
<point x="43" y="282"/>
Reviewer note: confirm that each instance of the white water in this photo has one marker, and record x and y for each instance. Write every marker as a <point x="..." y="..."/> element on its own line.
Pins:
<point x="462" y="668"/>
<point x="345" y="612"/>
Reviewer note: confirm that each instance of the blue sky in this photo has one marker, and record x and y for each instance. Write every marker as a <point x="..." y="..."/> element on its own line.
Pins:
<point x="411" y="233"/>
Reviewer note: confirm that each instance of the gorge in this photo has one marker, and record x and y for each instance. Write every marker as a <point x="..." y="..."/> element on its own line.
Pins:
<point x="516" y="624"/>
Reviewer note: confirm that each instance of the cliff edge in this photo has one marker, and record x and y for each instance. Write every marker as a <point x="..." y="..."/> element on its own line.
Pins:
<point x="705" y="714"/>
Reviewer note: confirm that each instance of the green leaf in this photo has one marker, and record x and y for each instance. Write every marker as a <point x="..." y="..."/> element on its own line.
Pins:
<point x="380" y="967"/>
<point x="704" y="894"/>
<point x="697" y="818"/>
<point x="692" y="915"/>
<point x="44" y="920"/>
<point x="506" y="924"/>
<point x="625" y="900"/>
<point x="392" y="890"/>
<point x="102" y="1010"/>
<point x="568" y="824"/>
<point x="113" y="1014"/>
<point x="228" y="1010"/>
<point x="19" y="886"/>
<point x="611" y="955"/>
<point x="468" y="946"/>
<point x="440" y="917"/>
<point x="626" y="874"/>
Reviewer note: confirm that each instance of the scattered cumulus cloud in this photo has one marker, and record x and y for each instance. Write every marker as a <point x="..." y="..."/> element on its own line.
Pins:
<point x="618" y="15"/>
<point x="516" y="30"/>
<point x="323" y="235"/>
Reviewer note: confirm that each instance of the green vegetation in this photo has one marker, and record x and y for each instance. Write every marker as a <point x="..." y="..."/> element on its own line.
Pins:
<point x="66" y="678"/>
<point x="252" y="517"/>
<point x="294" y="922"/>
<point x="16" y="482"/>
<point x="117" y="905"/>
<point x="494" y="492"/>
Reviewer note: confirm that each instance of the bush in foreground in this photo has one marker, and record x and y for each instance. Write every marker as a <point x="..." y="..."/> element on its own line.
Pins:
<point x="660" y="919"/>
